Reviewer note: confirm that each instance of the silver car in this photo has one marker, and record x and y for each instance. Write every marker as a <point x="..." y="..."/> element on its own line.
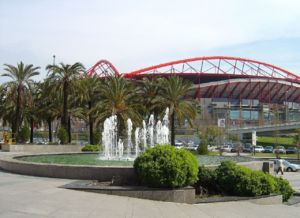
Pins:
<point x="289" y="167"/>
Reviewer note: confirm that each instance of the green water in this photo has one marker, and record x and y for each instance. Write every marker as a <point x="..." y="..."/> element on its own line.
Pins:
<point x="92" y="159"/>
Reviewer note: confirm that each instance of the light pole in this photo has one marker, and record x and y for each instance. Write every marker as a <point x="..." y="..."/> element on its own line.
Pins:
<point x="54" y="59"/>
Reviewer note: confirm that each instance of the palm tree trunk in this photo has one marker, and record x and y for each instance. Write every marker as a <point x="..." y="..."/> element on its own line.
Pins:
<point x="31" y="130"/>
<point x="173" y="128"/>
<point x="91" y="125"/>
<point x="49" y="128"/>
<point x="69" y="129"/>
<point x="17" y="121"/>
<point x="64" y="118"/>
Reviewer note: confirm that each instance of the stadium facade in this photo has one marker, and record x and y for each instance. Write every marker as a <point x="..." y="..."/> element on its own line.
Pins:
<point x="238" y="90"/>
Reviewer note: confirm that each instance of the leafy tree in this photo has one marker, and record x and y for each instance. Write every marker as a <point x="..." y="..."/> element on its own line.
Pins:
<point x="62" y="135"/>
<point x="211" y="135"/>
<point x="118" y="97"/>
<point x="202" y="148"/>
<point x="21" y="79"/>
<point x="88" y="95"/>
<point x="63" y="77"/>
<point x="172" y="94"/>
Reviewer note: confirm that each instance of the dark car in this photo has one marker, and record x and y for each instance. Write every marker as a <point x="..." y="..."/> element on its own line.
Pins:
<point x="248" y="148"/>
<point x="237" y="147"/>
<point x="291" y="150"/>
<point x="268" y="149"/>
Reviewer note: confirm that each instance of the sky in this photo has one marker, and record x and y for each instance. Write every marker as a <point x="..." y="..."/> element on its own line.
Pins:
<point x="133" y="34"/>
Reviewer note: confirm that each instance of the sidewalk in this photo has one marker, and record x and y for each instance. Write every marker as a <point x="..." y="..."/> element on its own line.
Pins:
<point x="25" y="196"/>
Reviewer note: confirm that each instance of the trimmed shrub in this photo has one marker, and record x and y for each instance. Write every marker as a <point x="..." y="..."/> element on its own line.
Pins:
<point x="62" y="135"/>
<point x="202" y="148"/>
<point x="165" y="166"/>
<point x="91" y="148"/>
<point x="284" y="188"/>
<point x="24" y="134"/>
<point x="207" y="180"/>
<point x="239" y="180"/>
<point x="97" y="137"/>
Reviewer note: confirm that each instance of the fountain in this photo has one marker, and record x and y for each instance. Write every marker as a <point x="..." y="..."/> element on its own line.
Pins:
<point x="144" y="137"/>
<point x="151" y="130"/>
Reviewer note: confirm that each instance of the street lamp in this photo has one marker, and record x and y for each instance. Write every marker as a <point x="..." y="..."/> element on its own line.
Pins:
<point x="53" y="59"/>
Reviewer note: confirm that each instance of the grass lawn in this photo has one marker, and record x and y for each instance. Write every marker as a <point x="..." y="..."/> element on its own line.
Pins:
<point x="271" y="140"/>
<point x="75" y="159"/>
<point x="273" y="155"/>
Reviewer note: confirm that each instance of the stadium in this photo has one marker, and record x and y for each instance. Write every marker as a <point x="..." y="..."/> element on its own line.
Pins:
<point x="240" y="91"/>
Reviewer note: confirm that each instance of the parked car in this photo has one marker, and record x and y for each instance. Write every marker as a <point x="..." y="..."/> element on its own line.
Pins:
<point x="227" y="148"/>
<point x="236" y="147"/>
<point x="280" y="150"/>
<point x="192" y="146"/>
<point x="268" y="149"/>
<point x="258" y="149"/>
<point x="211" y="148"/>
<point x="247" y="148"/>
<point x="178" y="144"/>
<point x="291" y="150"/>
<point x="289" y="167"/>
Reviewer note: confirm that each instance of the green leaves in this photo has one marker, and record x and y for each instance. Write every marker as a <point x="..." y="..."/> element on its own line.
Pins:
<point x="165" y="166"/>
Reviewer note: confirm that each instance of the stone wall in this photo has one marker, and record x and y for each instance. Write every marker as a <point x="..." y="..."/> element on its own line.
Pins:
<point x="121" y="175"/>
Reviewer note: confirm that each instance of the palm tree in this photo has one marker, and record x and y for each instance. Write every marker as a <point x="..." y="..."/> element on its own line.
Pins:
<point x="118" y="97"/>
<point x="21" y="77"/>
<point x="149" y="88"/>
<point x="63" y="77"/>
<point x="88" y="95"/>
<point x="31" y="110"/>
<point x="173" y="94"/>
<point x="49" y="104"/>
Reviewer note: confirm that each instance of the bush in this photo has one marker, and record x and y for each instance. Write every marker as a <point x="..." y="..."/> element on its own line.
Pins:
<point x="24" y="134"/>
<point x="284" y="188"/>
<point x="62" y="135"/>
<point x="165" y="166"/>
<point x="202" y="148"/>
<point x="207" y="180"/>
<point x="91" y="148"/>
<point x="97" y="137"/>
<point x="239" y="180"/>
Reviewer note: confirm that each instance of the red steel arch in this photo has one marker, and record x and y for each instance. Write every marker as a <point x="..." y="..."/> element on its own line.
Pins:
<point x="218" y="65"/>
<point x="103" y="68"/>
<point x="221" y="77"/>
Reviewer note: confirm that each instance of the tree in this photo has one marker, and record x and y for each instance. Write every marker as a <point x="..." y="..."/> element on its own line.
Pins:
<point x="63" y="77"/>
<point x="118" y="97"/>
<point x="173" y="94"/>
<point x="149" y="88"/>
<point x="202" y="148"/>
<point x="21" y="80"/>
<point x="88" y="95"/>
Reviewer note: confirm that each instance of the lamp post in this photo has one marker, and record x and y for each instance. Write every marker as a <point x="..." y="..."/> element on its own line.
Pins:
<point x="54" y="59"/>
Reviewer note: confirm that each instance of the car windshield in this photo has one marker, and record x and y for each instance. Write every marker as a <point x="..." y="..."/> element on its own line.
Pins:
<point x="285" y="162"/>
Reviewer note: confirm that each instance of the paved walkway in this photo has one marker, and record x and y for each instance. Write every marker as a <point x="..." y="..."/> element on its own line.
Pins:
<point x="25" y="196"/>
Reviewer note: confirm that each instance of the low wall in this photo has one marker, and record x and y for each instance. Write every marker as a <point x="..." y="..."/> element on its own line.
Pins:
<point x="181" y="195"/>
<point x="120" y="175"/>
<point x="41" y="148"/>
<point x="262" y="200"/>
<point x="124" y="175"/>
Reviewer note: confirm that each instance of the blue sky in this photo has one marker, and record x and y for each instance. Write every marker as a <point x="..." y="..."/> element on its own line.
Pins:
<point x="133" y="34"/>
